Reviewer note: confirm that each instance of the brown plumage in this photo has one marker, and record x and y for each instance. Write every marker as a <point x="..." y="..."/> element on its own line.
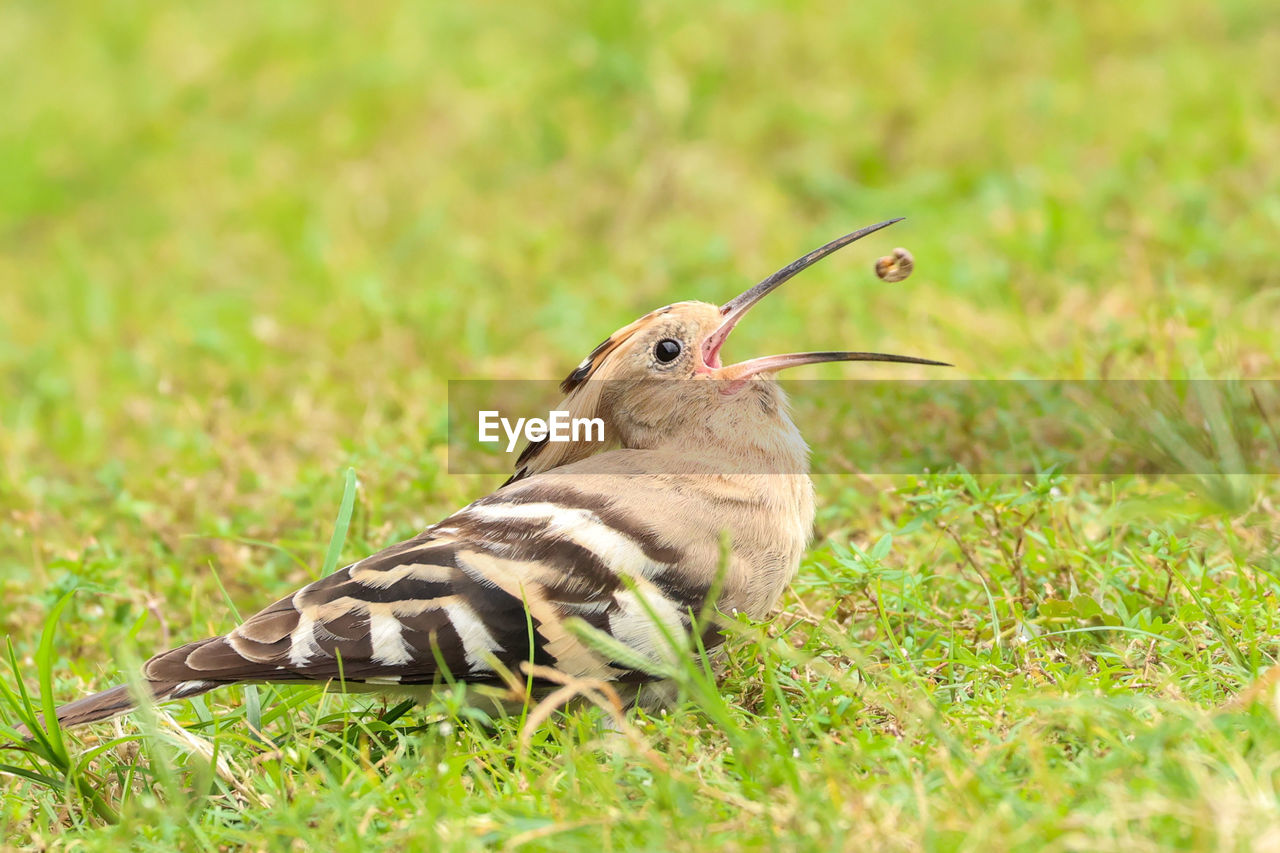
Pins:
<point x="628" y="539"/>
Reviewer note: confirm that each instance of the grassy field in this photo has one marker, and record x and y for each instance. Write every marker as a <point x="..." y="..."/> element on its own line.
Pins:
<point x="244" y="247"/>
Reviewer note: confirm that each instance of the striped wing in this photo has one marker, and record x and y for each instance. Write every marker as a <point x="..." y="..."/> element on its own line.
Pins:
<point x="495" y="581"/>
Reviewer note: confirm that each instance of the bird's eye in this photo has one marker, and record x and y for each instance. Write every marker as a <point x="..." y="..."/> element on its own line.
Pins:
<point x="666" y="350"/>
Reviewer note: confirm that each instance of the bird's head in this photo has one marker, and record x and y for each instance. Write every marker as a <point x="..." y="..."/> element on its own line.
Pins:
<point x="627" y="380"/>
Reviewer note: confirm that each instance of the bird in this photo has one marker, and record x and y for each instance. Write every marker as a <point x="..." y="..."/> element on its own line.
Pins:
<point x="699" y="497"/>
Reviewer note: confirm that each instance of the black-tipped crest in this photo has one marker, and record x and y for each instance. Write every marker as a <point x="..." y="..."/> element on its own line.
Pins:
<point x="592" y="362"/>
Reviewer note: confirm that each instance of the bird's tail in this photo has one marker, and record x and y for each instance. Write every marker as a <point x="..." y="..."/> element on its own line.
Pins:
<point x="119" y="700"/>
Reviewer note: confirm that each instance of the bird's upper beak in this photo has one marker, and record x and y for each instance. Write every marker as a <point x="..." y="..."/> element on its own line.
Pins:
<point x="735" y="309"/>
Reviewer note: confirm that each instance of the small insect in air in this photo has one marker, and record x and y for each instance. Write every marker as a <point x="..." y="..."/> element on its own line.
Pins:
<point x="897" y="266"/>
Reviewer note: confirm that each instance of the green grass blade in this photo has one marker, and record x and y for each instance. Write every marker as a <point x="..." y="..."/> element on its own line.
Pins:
<point x="44" y="672"/>
<point x="339" y="536"/>
<point x="31" y="775"/>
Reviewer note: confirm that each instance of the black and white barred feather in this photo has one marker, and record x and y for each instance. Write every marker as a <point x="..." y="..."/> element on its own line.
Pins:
<point x="493" y="583"/>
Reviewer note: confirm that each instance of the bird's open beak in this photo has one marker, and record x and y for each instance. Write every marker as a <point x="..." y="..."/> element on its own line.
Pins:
<point x="735" y="309"/>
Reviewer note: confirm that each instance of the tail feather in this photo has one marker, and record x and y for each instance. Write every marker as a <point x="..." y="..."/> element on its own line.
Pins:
<point x="99" y="706"/>
<point x="119" y="700"/>
<point x="169" y="675"/>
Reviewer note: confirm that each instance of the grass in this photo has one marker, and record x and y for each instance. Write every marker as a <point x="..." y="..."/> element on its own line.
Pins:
<point x="244" y="249"/>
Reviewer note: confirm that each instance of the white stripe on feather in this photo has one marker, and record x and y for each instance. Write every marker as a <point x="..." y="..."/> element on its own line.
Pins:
<point x="383" y="578"/>
<point x="512" y="577"/>
<point x="648" y="622"/>
<point x="302" y="641"/>
<point x="387" y="641"/>
<point x="183" y="687"/>
<point x="619" y="552"/>
<point x="477" y="642"/>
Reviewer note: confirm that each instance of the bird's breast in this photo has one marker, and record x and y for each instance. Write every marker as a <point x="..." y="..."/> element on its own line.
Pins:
<point x="742" y="534"/>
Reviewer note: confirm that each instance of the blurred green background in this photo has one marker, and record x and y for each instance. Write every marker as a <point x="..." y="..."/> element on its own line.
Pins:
<point x="242" y="242"/>
<point x="245" y="245"/>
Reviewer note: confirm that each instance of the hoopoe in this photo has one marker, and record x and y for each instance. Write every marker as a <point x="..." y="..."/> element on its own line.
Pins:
<point x="627" y="539"/>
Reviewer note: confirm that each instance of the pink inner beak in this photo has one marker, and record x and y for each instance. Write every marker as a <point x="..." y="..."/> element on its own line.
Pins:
<point x="735" y="309"/>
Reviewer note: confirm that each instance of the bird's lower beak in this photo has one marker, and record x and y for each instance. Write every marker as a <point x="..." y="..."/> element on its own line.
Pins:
<point x="735" y="309"/>
<point x="774" y="363"/>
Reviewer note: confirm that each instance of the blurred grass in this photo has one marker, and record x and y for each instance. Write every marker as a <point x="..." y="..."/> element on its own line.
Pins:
<point x="244" y="247"/>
